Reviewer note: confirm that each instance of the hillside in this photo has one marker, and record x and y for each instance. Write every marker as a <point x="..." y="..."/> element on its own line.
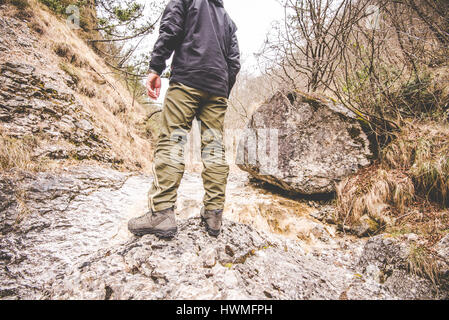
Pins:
<point x="76" y="108"/>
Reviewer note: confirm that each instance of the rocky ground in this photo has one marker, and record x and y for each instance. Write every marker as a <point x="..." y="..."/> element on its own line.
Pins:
<point x="45" y="107"/>
<point x="67" y="216"/>
<point x="72" y="242"/>
<point x="39" y="101"/>
<point x="63" y="232"/>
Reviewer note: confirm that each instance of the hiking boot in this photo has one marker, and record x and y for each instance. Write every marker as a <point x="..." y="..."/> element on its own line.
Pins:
<point x="212" y="220"/>
<point x="161" y="223"/>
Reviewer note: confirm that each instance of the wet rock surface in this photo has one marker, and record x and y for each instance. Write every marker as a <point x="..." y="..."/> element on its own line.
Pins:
<point x="63" y="217"/>
<point x="72" y="242"/>
<point x="240" y="264"/>
<point x="318" y="144"/>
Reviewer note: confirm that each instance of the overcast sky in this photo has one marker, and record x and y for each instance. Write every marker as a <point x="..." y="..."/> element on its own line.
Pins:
<point x="253" y="19"/>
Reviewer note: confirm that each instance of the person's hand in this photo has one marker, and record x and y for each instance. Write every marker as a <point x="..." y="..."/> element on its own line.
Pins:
<point x="153" y="86"/>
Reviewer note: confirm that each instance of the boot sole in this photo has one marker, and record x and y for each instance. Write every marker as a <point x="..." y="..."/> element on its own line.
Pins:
<point x="158" y="233"/>
<point x="211" y="232"/>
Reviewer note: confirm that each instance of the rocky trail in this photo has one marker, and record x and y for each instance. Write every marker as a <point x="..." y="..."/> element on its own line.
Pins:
<point x="63" y="227"/>
<point x="73" y="243"/>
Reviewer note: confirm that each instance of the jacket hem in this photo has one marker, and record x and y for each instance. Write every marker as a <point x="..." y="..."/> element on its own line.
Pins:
<point x="203" y="80"/>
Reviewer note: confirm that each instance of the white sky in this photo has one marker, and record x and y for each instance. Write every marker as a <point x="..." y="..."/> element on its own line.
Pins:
<point x="253" y="19"/>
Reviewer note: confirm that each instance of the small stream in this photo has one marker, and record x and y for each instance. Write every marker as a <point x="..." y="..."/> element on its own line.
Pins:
<point x="259" y="208"/>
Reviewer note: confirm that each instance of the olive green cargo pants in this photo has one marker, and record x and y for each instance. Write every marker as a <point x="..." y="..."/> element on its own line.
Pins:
<point x="182" y="104"/>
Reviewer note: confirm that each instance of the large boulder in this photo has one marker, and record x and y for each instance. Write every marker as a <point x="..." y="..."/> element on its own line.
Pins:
<point x="303" y="144"/>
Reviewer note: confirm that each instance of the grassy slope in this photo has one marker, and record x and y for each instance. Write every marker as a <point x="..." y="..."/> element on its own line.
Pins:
<point x="101" y="92"/>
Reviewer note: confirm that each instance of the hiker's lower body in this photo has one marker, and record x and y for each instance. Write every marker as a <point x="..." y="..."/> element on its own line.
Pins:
<point x="182" y="104"/>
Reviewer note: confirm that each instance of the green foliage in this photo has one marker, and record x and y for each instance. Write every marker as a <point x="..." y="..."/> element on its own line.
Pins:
<point x="126" y="14"/>
<point x="20" y="4"/>
<point x="125" y="18"/>
<point x="115" y="28"/>
<point x="60" y="6"/>
<point x="54" y="5"/>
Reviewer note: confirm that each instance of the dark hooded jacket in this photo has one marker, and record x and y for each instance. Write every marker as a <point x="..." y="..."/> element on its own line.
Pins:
<point x="202" y="35"/>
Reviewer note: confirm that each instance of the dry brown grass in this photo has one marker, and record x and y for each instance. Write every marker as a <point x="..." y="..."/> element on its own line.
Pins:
<point x="422" y="150"/>
<point x="99" y="89"/>
<point x="17" y="154"/>
<point x="405" y="192"/>
<point x="408" y="189"/>
<point x="423" y="262"/>
<point x="376" y="192"/>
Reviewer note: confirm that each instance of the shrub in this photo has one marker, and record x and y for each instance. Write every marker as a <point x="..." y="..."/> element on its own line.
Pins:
<point x="60" y="6"/>
<point x="67" y="52"/>
<point x="71" y="71"/>
<point x="421" y="96"/>
<point x="57" y="6"/>
<point x="20" y="4"/>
